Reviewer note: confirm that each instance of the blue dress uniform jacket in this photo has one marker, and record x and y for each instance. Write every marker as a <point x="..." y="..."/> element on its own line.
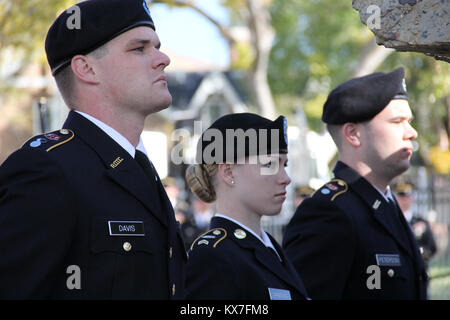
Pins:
<point x="81" y="220"/>
<point x="346" y="227"/>
<point x="424" y="236"/>
<point x="228" y="265"/>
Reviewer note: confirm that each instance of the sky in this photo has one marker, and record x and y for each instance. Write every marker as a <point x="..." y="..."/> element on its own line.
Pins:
<point x="185" y="32"/>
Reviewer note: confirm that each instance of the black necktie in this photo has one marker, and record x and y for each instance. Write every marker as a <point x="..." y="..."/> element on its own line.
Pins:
<point x="150" y="172"/>
<point x="393" y="213"/>
<point x="274" y="253"/>
<point x="145" y="164"/>
<point x="392" y="205"/>
<point x="394" y="220"/>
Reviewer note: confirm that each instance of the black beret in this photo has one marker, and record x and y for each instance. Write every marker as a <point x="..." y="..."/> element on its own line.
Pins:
<point x="169" y="181"/>
<point x="403" y="188"/>
<point x="99" y="22"/>
<point x="304" y="191"/>
<point x="361" y="99"/>
<point x="242" y="135"/>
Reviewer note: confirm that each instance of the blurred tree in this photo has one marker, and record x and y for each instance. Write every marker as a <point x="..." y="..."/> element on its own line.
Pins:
<point x="322" y="43"/>
<point x="250" y="17"/>
<point x="428" y="82"/>
<point x="295" y="52"/>
<point x="24" y="25"/>
<point x="319" y="44"/>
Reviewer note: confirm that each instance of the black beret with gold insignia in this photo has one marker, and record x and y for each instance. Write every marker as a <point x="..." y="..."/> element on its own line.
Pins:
<point x="169" y="181"/>
<point x="403" y="189"/>
<point x="304" y="191"/>
<point x="238" y="135"/>
<point x="361" y="99"/>
<point x="90" y="24"/>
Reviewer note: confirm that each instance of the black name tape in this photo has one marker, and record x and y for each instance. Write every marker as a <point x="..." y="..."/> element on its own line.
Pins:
<point x="126" y="228"/>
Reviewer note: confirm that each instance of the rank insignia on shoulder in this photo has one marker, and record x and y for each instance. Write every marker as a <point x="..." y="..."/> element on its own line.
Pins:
<point x="51" y="140"/>
<point x="334" y="188"/>
<point x="210" y="238"/>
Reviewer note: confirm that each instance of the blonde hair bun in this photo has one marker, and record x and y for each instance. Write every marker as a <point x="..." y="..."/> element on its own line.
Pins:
<point x="199" y="179"/>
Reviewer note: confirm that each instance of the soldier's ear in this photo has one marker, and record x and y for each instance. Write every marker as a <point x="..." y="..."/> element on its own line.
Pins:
<point x="225" y="172"/>
<point x="83" y="70"/>
<point x="352" y="134"/>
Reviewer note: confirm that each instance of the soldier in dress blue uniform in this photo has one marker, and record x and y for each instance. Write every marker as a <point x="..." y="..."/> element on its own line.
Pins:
<point x="350" y="239"/>
<point x="420" y="226"/>
<point x="302" y="192"/>
<point x="236" y="258"/>
<point x="83" y="213"/>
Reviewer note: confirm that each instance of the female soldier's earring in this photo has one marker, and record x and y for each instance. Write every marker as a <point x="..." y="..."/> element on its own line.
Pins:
<point x="232" y="181"/>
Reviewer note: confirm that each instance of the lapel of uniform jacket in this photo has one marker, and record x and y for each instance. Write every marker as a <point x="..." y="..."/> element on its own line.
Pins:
<point x="296" y="280"/>
<point x="412" y="240"/>
<point x="373" y="199"/>
<point x="119" y="165"/>
<point x="263" y="254"/>
<point x="165" y="202"/>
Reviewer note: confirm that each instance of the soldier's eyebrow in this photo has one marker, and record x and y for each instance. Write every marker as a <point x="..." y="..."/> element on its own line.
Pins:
<point x="401" y="118"/>
<point x="143" y="42"/>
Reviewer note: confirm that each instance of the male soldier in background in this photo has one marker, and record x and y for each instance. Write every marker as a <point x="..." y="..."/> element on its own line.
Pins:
<point x="302" y="192"/>
<point x="83" y="213"/>
<point x="420" y="226"/>
<point x="183" y="212"/>
<point x="350" y="239"/>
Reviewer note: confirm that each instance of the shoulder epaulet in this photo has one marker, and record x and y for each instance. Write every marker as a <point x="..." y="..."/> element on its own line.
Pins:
<point x="210" y="238"/>
<point x="51" y="140"/>
<point x="333" y="188"/>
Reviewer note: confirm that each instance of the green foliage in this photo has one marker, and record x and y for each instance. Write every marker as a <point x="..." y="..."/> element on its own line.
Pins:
<point x="24" y="23"/>
<point x="234" y="4"/>
<point x="428" y="83"/>
<point x="313" y="110"/>
<point x="317" y="46"/>
<point x="246" y="56"/>
<point x="314" y="39"/>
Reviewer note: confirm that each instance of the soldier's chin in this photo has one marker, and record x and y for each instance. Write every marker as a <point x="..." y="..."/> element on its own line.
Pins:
<point x="273" y="212"/>
<point x="163" y="104"/>
<point x="403" y="166"/>
<point x="167" y="101"/>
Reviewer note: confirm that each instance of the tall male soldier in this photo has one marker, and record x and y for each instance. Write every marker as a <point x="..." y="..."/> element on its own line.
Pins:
<point x="350" y="240"/>
<point x="83" y="213"/>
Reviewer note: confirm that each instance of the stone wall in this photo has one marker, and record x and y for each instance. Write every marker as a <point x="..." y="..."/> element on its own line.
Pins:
<point x="409" y="25"/>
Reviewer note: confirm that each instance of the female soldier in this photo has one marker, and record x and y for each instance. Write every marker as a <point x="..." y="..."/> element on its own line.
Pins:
<point x="243" y="170"/>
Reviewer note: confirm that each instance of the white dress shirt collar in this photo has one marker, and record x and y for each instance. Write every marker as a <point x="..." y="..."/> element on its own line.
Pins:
<point x="264" y="239"/>
<point x="116" y="136"/>
<point x="388" y="195"/>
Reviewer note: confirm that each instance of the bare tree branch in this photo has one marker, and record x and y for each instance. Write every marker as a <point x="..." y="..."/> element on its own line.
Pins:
<point x="189" y="4"/>
<point x="372" y="56"/>
<point x="263" y="35"/>
<point x="258" y="21"/>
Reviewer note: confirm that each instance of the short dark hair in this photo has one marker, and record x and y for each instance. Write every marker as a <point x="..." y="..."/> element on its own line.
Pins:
<point x="65" y="78"/>
<point x="335" y="133"/>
